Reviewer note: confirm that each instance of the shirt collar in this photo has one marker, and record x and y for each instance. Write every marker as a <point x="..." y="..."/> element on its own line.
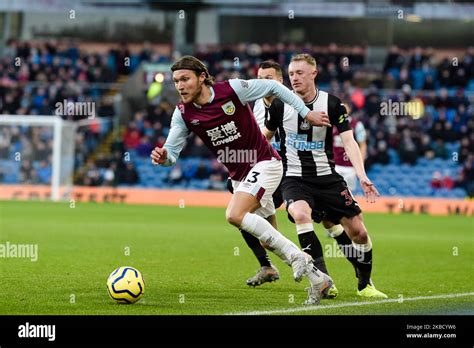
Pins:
<point x="211" y="98"/>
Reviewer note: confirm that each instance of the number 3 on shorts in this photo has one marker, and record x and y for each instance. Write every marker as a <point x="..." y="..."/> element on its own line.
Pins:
<point x="253" y="179"/>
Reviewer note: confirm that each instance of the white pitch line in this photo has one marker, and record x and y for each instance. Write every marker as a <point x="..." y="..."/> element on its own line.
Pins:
<point x="352" y="304"/>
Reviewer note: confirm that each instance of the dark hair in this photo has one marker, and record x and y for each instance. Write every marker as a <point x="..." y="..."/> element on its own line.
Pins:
<point x="267" y="64"/>
<point x="192" y="63"/>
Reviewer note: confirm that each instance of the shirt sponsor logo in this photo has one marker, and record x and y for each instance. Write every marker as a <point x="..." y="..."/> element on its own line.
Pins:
<point x="300" y="143"/>
<point x="224" y="134"/>
<point x="229" y="108"/>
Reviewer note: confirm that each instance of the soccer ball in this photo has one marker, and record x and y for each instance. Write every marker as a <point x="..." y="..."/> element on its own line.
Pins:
<point x="126" y="285"/>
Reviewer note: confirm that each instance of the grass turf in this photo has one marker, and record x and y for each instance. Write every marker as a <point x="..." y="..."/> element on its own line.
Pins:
<point x="193" y="262"/>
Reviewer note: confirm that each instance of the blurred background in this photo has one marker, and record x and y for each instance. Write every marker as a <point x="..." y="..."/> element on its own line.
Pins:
<point x="114" y="57"/>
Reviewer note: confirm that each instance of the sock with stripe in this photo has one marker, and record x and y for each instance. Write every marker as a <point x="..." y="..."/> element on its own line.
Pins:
<point x="264" y="231"/>
<point x="310" y="244"/>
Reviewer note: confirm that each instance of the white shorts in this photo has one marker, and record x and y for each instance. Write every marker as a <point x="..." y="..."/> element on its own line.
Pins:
<point x="261" y="182"/>
<point x="349" y="175"/>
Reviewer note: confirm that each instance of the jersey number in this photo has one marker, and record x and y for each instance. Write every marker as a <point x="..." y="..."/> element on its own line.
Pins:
<point x="347" y="197"/>
<point x="253" y="179"/>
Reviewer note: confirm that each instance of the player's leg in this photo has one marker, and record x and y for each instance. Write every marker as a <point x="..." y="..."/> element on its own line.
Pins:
<point x="254" y="193"/>
<point x="342" y="207"/>
<point x="309" y="242"/>
<point x="267" y="272"/>
<point x="363" y="249"/>
<point x="292" y="193"/>
<point x="343" y="240"/>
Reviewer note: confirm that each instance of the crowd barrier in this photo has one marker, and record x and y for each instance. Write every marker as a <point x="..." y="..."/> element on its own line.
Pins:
<point x="396" y="205"/>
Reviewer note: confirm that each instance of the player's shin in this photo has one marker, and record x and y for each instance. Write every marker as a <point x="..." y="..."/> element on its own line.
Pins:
<point x="310" y="243"/>
<point x="345" y="244"/>
<point x="364" y="262"/>
<point x="259" y="251"/>
<point x="264" y="231"/>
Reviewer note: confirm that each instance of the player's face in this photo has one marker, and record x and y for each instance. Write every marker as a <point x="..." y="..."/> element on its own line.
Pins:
<point x="269" y="74"/>
<point x="188" y="85"/>
<point x="302" y="76"/>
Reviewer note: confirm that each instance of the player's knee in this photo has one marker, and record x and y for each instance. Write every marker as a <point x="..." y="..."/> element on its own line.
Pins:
<point x="233" y="217"/>
<point x="301" y="216"/>
<point x="360" y="235"/>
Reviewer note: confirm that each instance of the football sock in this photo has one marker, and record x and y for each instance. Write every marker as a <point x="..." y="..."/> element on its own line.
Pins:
<point x="364" y="262"/>
<point x="345" y="244"/>
<point x="310" y="244"/>
<point x="257" y="249"/>
<point x="315" y="277"/>
<point x="264" y="231"/>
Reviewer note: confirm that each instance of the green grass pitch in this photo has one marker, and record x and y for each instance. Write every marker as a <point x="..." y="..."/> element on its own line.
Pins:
<point x="194" y="262"/>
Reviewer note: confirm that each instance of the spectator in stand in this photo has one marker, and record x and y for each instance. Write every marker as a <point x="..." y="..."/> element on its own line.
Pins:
<point x="198" y="149"/>
<point x="202" y="172"/>
<point x="176" y="175"/>
<point x="465" y="179"/>
<point x="218" y="176"/>
<point x="465" y="150"/>
<point x="394" y="59"/>
<point x="381" y="154"/>
<point x="426" y="150"/>
<point x="26" y="171"/>
<point x="437" y="180"/>
<point x="439" y="149"/>
<point x="129" y="175"/>
<point x="407" y="150"/>
<point x="145" y="147"/>
<point x="132" y="136"/>
<point x="109" y="175"/>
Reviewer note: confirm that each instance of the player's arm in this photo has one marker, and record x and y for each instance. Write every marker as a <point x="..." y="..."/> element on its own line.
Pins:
<point x="276" y="112"/>
<point x="353" y="153"/>
<point x="169" y="153"/>
<point x="250" y="90"/>
<point x="338" y="116"/>
<point x="268" y="133"/>
<point x="360" y="135"/>
<point x="363" y="149"/>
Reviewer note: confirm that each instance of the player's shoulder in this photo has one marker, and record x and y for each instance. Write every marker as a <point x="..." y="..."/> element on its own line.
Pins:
<point x="277" y="107"/>
<point x="277" y="104"/>
<point x="333" y="100"/>
<point x="237" y="83"/>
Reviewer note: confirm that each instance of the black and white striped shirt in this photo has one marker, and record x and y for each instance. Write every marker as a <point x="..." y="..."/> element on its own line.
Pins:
<point x="306" y="150"/>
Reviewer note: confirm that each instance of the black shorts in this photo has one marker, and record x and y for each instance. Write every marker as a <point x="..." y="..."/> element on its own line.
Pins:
<point x="329" y="199"/>
<point x="277" y="195"/>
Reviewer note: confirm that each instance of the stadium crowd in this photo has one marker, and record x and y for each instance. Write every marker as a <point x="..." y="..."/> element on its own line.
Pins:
<point x="48" y="74"/>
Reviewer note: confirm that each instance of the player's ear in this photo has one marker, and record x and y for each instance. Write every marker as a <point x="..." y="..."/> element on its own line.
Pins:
<point x="202" y="77"/>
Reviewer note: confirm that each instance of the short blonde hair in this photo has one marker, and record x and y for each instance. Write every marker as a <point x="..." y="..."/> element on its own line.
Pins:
<point x="304" y="57"/>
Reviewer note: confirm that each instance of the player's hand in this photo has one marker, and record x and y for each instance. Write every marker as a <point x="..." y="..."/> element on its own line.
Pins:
<point x="319" y="119"/>
<point x="370" y="191"/>
<point x="159" y="155"/>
